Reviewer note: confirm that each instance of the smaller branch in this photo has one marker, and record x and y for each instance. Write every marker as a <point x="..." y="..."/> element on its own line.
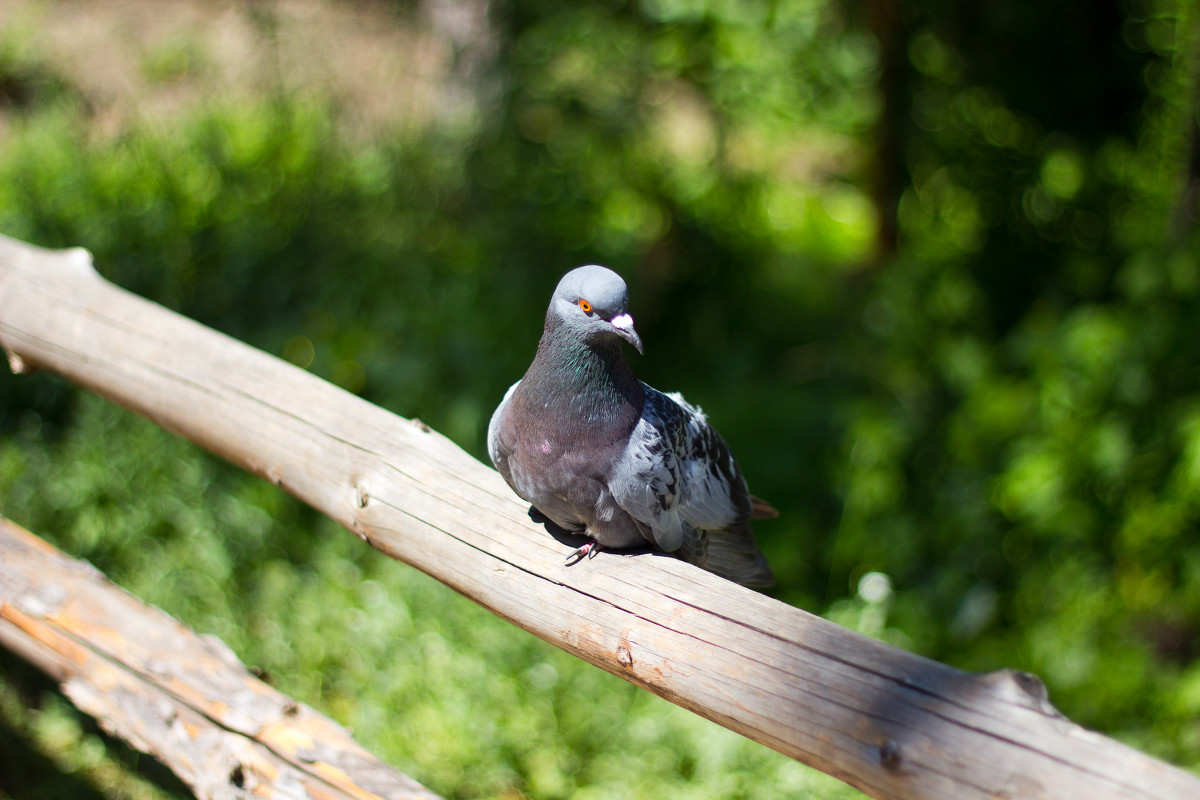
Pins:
<point x="181" y="697"/>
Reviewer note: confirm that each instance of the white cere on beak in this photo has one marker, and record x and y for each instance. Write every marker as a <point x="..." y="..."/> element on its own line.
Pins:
<point x="623" y="323"/>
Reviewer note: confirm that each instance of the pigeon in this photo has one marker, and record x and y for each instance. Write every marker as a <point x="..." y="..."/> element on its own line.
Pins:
<point x="597" y="452"/>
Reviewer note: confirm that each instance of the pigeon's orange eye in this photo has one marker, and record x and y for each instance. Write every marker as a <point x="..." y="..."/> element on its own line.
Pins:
<point x="586" y="306"/>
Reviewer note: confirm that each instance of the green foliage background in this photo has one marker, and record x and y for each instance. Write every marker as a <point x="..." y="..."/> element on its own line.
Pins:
<point x="932" y="270"/>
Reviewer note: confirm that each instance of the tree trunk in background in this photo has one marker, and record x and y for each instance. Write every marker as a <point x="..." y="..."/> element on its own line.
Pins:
<point x="1184" y="217"/>
<point x="887" y="169"/>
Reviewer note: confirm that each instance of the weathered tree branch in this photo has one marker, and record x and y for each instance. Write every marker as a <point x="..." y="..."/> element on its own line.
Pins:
<point x="889" y="722"/>
<point x="183" y="698"/>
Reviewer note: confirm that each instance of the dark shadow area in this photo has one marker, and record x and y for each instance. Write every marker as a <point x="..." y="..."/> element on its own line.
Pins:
<point x="27" y="773"/>
<point x="576" y="540"/>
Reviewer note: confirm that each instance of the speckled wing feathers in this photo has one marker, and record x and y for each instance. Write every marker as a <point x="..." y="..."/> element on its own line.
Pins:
<point x="680" y="481"/>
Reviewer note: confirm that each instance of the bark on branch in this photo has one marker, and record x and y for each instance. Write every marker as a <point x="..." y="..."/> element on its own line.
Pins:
<point x="886" y="721"/>
<point x="181" y="697"/>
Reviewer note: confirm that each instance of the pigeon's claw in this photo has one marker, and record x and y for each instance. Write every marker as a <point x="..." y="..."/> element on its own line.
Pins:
<point x="589" y="550"/>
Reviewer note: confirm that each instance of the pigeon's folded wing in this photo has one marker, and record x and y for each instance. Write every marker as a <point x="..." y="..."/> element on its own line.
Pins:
<point x="678" y="473"/>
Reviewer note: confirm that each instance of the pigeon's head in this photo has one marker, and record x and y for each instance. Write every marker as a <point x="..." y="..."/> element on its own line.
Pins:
<point x="593" y="302"/>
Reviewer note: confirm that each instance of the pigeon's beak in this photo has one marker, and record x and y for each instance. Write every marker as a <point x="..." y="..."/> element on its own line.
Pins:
<point x="623" y="325"/>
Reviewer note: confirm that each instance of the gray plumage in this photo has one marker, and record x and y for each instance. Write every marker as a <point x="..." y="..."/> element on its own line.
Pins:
<point x="598" y="452"/>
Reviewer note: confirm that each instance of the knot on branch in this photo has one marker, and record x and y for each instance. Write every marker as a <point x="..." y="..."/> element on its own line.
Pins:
<point x="889" y="756"/>
<point x="1022" y="688"/>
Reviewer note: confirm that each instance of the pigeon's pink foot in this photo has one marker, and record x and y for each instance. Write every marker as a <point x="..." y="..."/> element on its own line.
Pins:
<point x="589" y="550"/>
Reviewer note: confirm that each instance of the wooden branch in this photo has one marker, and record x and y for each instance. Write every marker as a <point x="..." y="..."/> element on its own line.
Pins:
<point x="180" y="697"/>
<point x="886" y="721"/>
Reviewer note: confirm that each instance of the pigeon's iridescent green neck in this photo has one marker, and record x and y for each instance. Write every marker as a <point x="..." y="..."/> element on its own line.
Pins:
<point x="590" y="381"/>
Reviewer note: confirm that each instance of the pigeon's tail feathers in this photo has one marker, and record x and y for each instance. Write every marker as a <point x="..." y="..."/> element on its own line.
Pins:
<point x="730" y="553"/>
<point x="733" y="554"/>
<point x="761" y="509"/>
